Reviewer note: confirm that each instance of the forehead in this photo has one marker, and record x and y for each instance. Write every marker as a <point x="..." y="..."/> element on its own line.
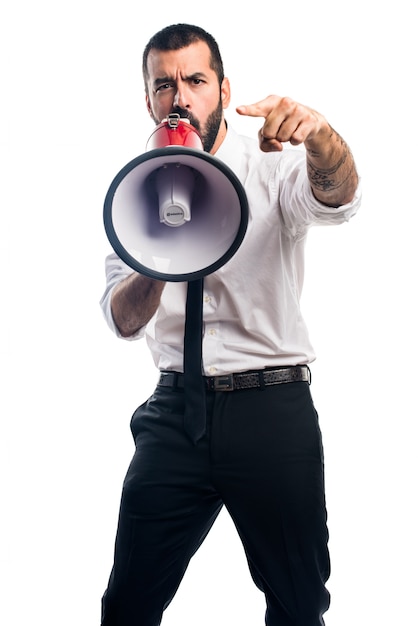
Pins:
<point x="189" y="60"/>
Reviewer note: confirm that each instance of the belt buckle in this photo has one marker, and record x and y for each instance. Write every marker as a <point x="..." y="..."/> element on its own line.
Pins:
<point x="223" y="383"/>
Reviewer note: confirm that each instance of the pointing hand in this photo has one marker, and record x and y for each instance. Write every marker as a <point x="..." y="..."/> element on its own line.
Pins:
<point x="284" y="120"/>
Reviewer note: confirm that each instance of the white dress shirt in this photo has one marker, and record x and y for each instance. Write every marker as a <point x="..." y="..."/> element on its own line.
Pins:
<point x="251" y="308"/>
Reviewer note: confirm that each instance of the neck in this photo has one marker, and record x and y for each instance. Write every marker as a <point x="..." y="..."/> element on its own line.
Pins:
<point x="220" y="137"/>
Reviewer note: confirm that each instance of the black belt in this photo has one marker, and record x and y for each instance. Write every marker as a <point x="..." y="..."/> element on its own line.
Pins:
<point x="243" y="380"/>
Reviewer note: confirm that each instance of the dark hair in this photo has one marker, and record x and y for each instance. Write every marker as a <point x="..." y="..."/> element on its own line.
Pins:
<point x="180" y="36"/>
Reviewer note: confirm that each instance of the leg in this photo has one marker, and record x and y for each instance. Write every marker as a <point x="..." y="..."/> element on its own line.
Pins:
<point x="269" y="469"/>
<point x="167" y="509"/>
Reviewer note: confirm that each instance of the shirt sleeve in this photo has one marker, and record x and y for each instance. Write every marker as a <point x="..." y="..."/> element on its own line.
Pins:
<point x="116" y="270"/>
<point x="298" y="205"/>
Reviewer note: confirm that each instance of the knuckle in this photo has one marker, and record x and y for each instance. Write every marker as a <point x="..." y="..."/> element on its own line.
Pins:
<point x="288" y="103"/>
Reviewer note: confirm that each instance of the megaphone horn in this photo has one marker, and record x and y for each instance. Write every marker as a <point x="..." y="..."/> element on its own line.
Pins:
<point x="175" y="213"/>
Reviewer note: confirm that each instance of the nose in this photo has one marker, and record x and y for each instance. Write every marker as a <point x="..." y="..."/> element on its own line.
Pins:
<point x="181" y="98"/>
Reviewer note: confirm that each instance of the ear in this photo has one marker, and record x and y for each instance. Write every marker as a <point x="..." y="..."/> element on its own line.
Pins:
<point x="225" y="93"/>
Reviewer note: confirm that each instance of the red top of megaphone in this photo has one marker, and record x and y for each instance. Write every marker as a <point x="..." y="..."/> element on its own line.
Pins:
<point x="175" y="131"/>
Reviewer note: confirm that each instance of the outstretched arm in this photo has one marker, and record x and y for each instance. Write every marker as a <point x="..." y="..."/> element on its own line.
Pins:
<point x="331" y="168"/>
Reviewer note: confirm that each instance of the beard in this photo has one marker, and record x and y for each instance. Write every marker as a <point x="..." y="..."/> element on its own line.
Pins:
<point x="209" y="131"/>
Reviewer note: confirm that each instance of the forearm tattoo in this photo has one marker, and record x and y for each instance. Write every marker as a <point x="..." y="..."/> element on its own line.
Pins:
<point x="330" y="178"/>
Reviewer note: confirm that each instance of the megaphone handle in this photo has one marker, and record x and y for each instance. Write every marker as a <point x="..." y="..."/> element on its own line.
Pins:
<point x="194" y="388"/>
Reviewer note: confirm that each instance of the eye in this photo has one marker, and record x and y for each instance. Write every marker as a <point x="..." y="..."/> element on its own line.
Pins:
<point x="164" y="87"/>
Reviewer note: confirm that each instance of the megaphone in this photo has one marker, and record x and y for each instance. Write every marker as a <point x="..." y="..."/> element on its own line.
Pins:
<point x="175" y="213"/>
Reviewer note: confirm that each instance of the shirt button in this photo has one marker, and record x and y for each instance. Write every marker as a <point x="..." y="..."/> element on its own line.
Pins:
<point x="213" y="370"/>
<point x="207" y="299"/>
<point x="212" y="331"/>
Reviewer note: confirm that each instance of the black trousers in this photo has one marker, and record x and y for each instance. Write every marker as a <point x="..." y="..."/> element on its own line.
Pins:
<point x="262" y="459"/>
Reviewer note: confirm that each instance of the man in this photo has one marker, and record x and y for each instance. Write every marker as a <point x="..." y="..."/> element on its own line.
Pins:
<point x="261" y="452"/>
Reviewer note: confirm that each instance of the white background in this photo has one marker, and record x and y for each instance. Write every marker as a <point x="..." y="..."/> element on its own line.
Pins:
<point x="73" y="115"/>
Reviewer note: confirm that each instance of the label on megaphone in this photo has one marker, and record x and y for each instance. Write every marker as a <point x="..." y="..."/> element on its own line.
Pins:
<point x="175" y="186"/>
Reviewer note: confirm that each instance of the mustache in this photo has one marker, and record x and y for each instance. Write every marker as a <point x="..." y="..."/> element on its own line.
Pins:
<point x="184" y="113"/>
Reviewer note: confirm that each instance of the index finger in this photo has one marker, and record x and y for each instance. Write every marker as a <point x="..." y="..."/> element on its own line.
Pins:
<point x="259" y="109"/>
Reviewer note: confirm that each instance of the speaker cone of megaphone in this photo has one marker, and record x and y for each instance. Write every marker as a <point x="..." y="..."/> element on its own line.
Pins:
<point x="175" y="213"/>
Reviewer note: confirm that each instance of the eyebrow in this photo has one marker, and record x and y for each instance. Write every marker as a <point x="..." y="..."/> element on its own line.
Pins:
<point x="167" y="79"/>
